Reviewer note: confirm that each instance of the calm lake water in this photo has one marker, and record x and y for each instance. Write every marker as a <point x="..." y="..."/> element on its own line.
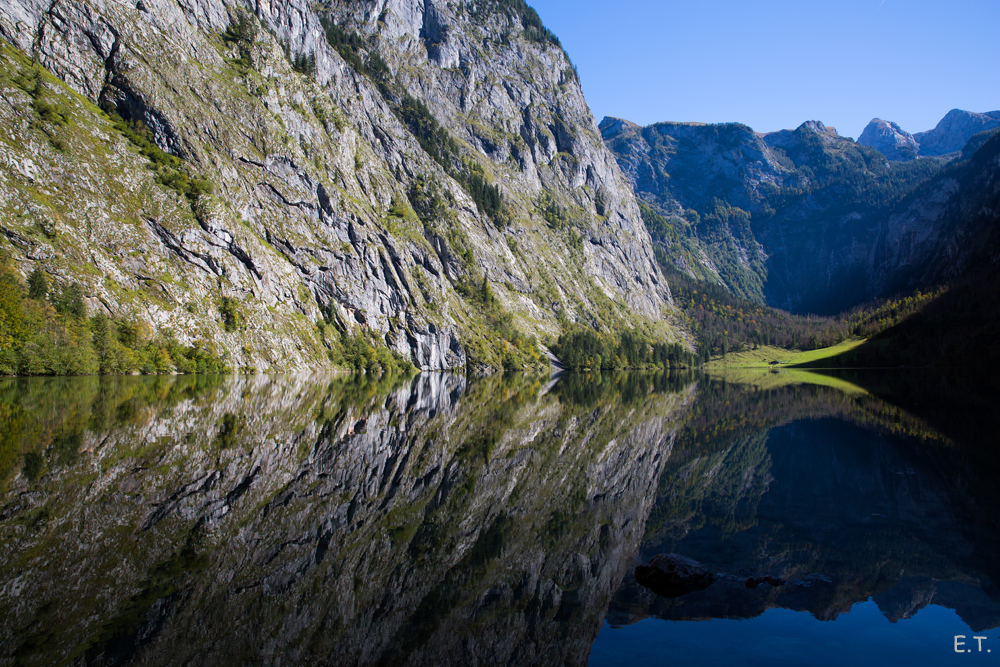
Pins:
<point x="435" y="520"/>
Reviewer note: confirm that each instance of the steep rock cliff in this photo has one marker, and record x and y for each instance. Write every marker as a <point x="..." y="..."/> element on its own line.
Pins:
<point x="330" y="197"/>
<point x="686" y="171"/>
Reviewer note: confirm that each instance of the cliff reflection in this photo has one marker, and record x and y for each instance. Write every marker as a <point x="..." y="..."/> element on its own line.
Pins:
<point x="789" y="480"/>
<point x="317" y="521"/>
<point x="437" y="521"/>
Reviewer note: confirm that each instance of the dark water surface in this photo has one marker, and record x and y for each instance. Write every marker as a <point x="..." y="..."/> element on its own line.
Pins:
<point x="291" y="520"/>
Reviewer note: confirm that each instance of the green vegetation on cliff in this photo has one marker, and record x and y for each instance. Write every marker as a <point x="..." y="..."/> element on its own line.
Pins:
<point x="47" y="332"/>
<point x="534" y="29"/>
<point x="433" y="137"/>
<point x="361" y="353"/>
<point x="170" y="170"/>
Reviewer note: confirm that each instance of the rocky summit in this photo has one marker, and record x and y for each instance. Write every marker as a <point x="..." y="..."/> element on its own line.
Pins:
<point x="954" y="131"/>
<point x="424" y="174"/>
<point x="889" y="139"/>
<point x="948" y="138"/>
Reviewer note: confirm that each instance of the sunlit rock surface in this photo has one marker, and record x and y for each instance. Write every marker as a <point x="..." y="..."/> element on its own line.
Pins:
<point x="318" y="176"/>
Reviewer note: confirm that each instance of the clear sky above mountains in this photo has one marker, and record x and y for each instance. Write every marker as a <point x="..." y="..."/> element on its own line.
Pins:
<point x="777" y="63"/>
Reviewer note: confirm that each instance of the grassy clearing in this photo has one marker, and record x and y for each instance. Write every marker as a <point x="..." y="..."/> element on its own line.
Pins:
<point x="770" y="378"/>
<point x="765" y="355"/>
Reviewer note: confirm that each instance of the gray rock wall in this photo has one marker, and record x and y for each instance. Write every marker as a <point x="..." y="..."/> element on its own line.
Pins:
<point x="307" y="170"/>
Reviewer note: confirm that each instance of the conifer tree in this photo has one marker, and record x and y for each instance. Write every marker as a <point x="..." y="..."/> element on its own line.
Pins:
<point x="38" y="284"/>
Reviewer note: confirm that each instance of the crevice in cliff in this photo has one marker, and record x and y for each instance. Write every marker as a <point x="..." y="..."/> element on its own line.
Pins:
<point x="202" y="261"/>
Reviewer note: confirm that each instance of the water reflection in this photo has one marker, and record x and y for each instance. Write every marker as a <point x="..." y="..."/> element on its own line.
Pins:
<point x="435" y="520"/>
<point x="308" y="521"/>
<point x="792" y="479"/>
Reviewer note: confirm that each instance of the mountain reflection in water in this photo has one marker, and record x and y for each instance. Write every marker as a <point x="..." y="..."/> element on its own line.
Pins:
<point x="852" y="500"/>
<point x="439" y="521"/>
<point x="298" y="520"/>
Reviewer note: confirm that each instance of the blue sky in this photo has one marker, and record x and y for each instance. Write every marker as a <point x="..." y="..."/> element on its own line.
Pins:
<point x="774" y="64"/>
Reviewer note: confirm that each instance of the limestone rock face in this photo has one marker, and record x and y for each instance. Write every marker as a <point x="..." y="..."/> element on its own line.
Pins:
<point x="328" y="200"/>
<point x="767" y="215"/>
<point x="683" y="169"/>
<point x="735" y="161"/>
<point x="889" y="139"/>
<point x="954" y="130"/>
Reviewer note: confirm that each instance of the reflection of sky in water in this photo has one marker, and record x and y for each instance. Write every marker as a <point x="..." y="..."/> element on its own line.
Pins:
<point x="783" y="637"/>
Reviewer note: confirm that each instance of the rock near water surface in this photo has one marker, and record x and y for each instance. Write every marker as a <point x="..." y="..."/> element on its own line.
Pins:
<point x="673" y="575"/>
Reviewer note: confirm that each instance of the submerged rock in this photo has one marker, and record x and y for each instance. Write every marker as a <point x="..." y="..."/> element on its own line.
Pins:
<point x="673" y="575"/>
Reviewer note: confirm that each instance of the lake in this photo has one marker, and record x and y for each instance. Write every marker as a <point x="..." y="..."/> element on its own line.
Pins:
<point x="440" y="520"/>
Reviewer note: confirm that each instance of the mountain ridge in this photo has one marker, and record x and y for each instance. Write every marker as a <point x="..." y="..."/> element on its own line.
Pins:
<point x="946" y="139"/>
<point x="789" y="218"/>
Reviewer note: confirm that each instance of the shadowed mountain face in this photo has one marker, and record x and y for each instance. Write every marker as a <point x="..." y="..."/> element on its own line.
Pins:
<point x="833" y="494"/>
<point x="806" y="220"/>
<point x="316" y="522"/>
<point x="787" y="218"/>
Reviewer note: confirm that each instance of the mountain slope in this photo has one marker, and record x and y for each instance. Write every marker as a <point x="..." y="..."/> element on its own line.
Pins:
<point x="947" y="228"/>
<point x="368" y="165"/>
<point x="785" y="218"/>
<point x="889" y="139"/>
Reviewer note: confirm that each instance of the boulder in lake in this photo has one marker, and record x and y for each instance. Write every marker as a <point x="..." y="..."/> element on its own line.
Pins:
<point x="673" y="575"/>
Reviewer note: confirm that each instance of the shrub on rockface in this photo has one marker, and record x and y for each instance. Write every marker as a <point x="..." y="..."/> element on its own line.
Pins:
<point x="363" y="354"/>
<point x="499" y="343"/>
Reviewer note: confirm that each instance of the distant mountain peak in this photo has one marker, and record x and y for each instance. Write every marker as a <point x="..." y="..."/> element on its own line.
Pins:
<point x="955" y="129"/>
<point x="788" y="138"/>
<point x="819" y="128"/>
<point x="889" y="139"/>
<point x="610" y="126"/>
